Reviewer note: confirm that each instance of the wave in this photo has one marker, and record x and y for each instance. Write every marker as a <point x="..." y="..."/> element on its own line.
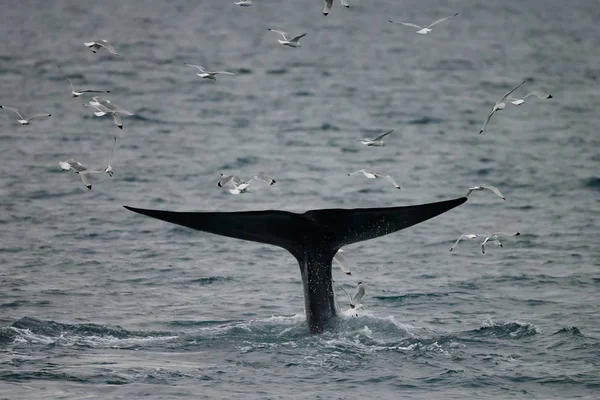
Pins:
<point x="30" y="330"/>
<point x="507" y="330"/>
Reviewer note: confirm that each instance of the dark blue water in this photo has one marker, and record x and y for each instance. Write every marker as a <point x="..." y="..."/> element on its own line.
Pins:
<point x="98" y="302"/>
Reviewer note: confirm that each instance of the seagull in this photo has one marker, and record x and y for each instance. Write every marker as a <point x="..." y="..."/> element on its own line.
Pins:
<point x="538" y="93"/>
<point x="104" y="107"/>
<point x="500" y="105"/>
<point x="77" y="93"/>
<point x="372" y="175"/>
<point x="490" y="188"/>
<point x="244" y="3"/>
<point x="494" y="239"/>
<point x="294" y="42"/>
<point x="23" y="120"/>
<point x="360" y="292"/>
<point x="377" y="142"/>
<point x="329" y="3"/>
<point x="342" y="262"/>
<point x="238" y="186"/>
<point x="84" y="172"/>
<point x="96" y="44"/>
<point x="207" y="74"/>
<point x="424" y="30"/>
<point x="464" y="235"/>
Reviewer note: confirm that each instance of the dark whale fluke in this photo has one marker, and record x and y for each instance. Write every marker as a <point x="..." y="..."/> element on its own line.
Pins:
<point x="313" y="238"/>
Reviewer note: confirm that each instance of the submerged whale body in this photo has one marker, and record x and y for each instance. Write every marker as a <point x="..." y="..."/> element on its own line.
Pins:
<point x="313" y="238"/>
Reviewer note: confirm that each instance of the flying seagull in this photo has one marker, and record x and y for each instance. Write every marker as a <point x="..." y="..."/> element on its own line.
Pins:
<point x="77" y="93"/>
<point x="377" y="142"/>
<point x="84" y="172"/>
<point x="104" y="106"/>
<point x="329" y="3"/>
<point x="96" y="44"/>
<point x="22" y="120"/>
<point x="537" y="93"/>
<point x="490" y="188"/>
<point x="494" y="238"/>
<point x="360" y="292"/>
<point x="244" y="3"/>
<point x="500" y="105"/>
<point x="208" y="74"/>
<point x="238" y="186"/>
<point x="294" y="42"/>
<point x="424" y="30"/>
<point x="372" y="175"/>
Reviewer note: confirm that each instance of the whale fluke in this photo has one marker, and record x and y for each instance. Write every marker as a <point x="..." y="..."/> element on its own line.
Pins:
<point x="313" y="238"/>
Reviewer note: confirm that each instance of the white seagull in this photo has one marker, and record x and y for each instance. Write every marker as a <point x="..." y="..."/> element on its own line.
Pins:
<point x="104" y="107"/>
<point x="493" y="237"/>
<point x="490" y="188"/>
<point x="377" y="142"/>
<point x="84" y="172"/>
<point x="500" y="105"/>
<point x="360" y="292"/>
<point x="77" y="93"/>
<point x="22" y="120"/>
<point x="208" y="74"/>
<point x="464" y="235"/>
<point x="294" y="42"/>
<point x="342" y="262"/>
<point x="372" y="175"/>
<point x="329" y="3"/>
<point x="424" y="30"/>
<point x="96" y="44"/>
<point x="244" y="3"/>
<point x="537" y="93"/>
<point x="238" y="186"/>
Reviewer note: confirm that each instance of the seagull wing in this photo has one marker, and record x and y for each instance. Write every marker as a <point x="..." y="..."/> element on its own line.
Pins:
<point x="464" y="235"/>
<point x="360" y="292"/>
<point x="86" y="179"/>
<point x="487" y="120"/>
<point x="509" y="93"/>
<point x="389" y="178"/>
<point x="229" y="179"/>
<point x="199" y="67"/>
<point x="505" y="234"/>
<point x="360" y="171"/>
<point x="407" y="24"/>
<point x="345" y="3"/>
<point x="13" y="110"/>
<point x="70" y="83"/>
<point x="117" y="119"/>
<point x="297" y="38"/>
<point x="107" y="46"/>
<point x="382" y="136"/>
<point x="342" y="262"/>
<point x="440" y="20"/>
<point x="64" y="165"/>
<point x="39" y="115"/>
<point x="494" y="190"/>
<point x="223" y="73"/>
<point x="94" y="91"/>
<point x="539" y="94"/>
<point x="282" y="33"/>
<point x="264" y="178"/>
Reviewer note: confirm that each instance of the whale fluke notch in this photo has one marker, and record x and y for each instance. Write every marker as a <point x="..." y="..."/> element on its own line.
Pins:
<point x="313" y="238"/>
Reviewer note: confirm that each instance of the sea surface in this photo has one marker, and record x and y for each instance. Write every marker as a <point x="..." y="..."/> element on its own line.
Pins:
<point x="97" y="302"/>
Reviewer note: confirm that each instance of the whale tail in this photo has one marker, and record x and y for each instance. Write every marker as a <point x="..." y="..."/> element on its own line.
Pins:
<point x="313" y="238"/>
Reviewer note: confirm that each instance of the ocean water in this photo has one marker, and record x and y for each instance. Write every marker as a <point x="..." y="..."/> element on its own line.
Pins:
<point x="99" y="302"/>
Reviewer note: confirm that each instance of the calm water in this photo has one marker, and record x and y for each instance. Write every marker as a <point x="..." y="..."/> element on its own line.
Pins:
<point x="98" y="302"/>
